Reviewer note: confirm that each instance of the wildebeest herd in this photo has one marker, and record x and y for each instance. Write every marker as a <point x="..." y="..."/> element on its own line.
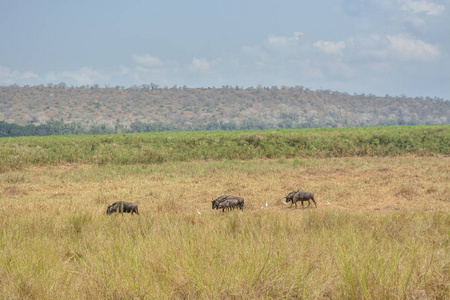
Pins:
<point x="228" y="202"/>
<point x="225" y="202"/>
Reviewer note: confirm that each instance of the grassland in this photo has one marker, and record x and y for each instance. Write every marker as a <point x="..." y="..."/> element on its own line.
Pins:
<point x="381" y="229"/>
<point x="130" y="149"/>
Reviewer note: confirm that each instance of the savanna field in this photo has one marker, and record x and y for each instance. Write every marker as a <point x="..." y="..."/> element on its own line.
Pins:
<point x="381" y="229"/>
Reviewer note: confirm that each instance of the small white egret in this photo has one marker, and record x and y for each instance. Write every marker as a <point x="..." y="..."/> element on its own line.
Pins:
<point x="328" y="203"/>
<point x="198" y="212"/>
<point x="266" y="203"/>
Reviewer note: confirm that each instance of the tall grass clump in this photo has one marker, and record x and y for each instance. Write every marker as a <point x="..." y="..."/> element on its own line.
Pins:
<point x="387" y="256"/>
<point x="253" y="255"/>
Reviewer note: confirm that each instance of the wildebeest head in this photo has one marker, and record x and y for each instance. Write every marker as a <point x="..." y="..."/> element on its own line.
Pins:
<point x="113" y="208"/>
<point x="215" y="204"/>
<point x="290" y="196"/>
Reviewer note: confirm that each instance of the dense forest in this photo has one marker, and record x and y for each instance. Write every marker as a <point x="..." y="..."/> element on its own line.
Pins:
<point x="60" y="109"/>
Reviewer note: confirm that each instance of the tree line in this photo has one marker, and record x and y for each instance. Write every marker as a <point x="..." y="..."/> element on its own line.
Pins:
<point x="54" y="127"/>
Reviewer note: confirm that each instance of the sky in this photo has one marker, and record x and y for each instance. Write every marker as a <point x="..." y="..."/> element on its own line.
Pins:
<point x="380" y="47"/>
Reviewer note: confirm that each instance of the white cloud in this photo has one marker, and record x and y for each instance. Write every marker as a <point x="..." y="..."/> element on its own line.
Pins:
<point x="199" y="65"/>
<point x="330" y="47"/>
<point x="420" y="6"/>
<point x="7" y="76"/>
<point x="283" y="41"/>
<point x="4" y="72"/>
<point x="277" y="40"/>
<point x="85" y="75"/>
<point x="27" y="75"/>
<point x="147" y="60"/>
<point x="51" y="77"/>
<point x="407" y="49"/>
<point x="398" y="47"/>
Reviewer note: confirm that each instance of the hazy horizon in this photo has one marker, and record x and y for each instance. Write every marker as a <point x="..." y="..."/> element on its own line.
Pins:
<point x="373" y="47"/>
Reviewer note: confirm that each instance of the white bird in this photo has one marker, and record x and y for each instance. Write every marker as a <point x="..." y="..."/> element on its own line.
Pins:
<point x="198" y="212"/>
<point x="284" y="203"/>
<point x="262" y="207"/>
<point x="266" y="203"/>
<point x="328" y="203"/>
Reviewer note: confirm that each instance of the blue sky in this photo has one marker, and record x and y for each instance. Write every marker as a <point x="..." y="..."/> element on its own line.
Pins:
<point x="381" y="47"/>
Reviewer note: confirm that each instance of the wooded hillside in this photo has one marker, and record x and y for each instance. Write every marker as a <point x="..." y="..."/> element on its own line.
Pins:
<point x="138" y="108"/>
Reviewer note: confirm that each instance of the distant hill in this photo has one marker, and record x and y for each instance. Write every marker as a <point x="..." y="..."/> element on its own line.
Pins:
<point x="139" y="107"/>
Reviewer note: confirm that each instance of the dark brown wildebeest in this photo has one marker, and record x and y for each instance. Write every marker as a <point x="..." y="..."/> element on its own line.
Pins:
<point x="229" y="203"/>
<point x="290" y="197"/>
<point x="122" y="207"/>
<point x="303" y="196"/>
<point x="216" y="202"/>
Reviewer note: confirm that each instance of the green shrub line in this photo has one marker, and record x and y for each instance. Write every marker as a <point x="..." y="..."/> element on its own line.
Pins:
<point x="159" y="147"/>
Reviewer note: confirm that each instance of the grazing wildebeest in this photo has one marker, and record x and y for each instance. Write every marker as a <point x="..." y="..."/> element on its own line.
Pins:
<point x="229" y="203"/>
<point x="240" y="202"/>
<point x="215" y="203"/>
<point x="303" y="196"/>
<point x="122" y="207"/>
<point x="290" y="197"/>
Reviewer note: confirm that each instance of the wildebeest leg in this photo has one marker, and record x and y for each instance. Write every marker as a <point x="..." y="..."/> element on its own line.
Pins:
<point x="314" y="201"/>
<point x="309" y="203"/>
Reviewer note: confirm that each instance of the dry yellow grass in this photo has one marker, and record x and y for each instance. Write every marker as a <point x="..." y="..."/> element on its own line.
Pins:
<point x="381" y="230"/>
